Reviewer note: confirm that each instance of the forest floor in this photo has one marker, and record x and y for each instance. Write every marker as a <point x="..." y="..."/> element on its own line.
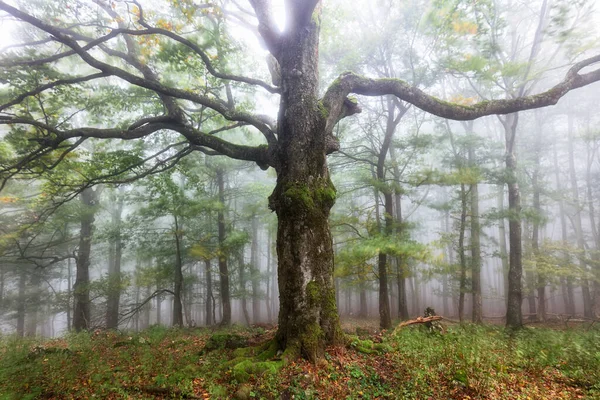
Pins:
<point x="466" y="362"/>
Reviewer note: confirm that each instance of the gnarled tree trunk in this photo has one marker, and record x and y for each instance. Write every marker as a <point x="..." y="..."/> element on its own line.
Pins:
<point x="302" y="199"/>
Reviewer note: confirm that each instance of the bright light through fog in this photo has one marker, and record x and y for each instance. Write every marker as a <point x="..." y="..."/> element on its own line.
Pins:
<point x="279" y="14"/>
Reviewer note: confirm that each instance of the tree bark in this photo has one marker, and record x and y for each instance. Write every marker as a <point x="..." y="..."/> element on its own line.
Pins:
<point x="302" y="199"/>
<point x="81" y="288"/>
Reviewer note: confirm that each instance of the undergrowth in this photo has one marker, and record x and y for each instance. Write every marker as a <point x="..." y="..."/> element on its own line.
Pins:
<point x="476" y="362"/>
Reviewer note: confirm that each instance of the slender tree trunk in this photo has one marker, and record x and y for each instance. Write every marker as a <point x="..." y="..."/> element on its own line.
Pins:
<point x="255" y="272"/>
<point x="243" y="293"/>
<point x="514" y="316"/>
<point x="401" y="282"/>
<point x="400" y="261"/>
<point x="223" y="270"/>
<point x="114" y="272"/>
<point x="81" y="289"/>
<point x="530" y="283"/>
<point x="178" y="274"/>
<point x="541" y="278"/>
<point x="34" y="302"/>
<point x="475" y="243"/>
<point x="158" y="307"/>
<point x="502" y="243"/>
<point x="392" y="121"/>
<point x="566" y="282"/>
<point x="209" y="293"/>
<point x="461" y="253"/>
<point x="450" y="251"/>
<point x="21" y="299"/>
<point x="363" y="310"/>
<point x="137" y="314"/>
<point x="585" y="288"/>
<point x="69" y="293"/>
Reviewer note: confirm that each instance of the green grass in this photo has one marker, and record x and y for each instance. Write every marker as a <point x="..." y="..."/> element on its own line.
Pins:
<point x="467" y="362"/>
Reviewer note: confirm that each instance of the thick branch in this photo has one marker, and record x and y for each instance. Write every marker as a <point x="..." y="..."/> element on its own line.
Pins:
<point x="300" y="12"/>
<point x="351" y="83"/>
<point x="145" y="127"/>
<point x="266" y="26"/>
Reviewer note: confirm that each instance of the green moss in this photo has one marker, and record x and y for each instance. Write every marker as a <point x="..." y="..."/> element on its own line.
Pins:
<point x="322" y="109"/>
<point x="244" y="352"/>
<point x="301" y="194"/>
<point x="225" y="341"/>
<point x="242" y="371"/>
<point x="311" y="338"/>
<point x="268" y="351"/>
<point x="326" y="195"/>
<point x="313" y="293"/>
<point x="383" y="347"/>
<point x="243" y="392"/>
<point x="368" y="347"/>
<point x="292" y="351"/>
<point x="218" y="391"/>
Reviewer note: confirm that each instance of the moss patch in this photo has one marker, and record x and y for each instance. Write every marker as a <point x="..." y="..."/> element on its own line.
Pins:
<point x="268" y="350"/>
<point x="300" y="194"/>
<point x="225" y="341"/>
<point x="243" y="370"/>
<point x="323" y="111"/>
<point x="368" y="347"/>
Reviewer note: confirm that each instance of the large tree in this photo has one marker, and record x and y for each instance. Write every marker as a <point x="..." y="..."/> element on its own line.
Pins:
<point x="187" y="89"/>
